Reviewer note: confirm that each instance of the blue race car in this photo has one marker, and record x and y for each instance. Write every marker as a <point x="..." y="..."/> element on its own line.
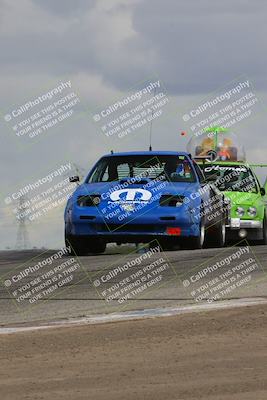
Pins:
<point x="138" y="197"/>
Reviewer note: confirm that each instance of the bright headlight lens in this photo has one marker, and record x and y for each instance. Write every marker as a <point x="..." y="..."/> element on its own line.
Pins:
<point x="96" y="200"/>
<point x="89" y="200"/>
<point x="169" y="200"/>
<point x="252" y="211"/>
<point x="240" y="211"/>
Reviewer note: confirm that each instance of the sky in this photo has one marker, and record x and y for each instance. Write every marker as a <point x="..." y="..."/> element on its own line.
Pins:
<point x="109" y="49"/>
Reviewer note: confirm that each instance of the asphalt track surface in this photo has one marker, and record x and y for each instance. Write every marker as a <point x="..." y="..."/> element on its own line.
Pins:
<point x="81" y="298"/>
<point x="215" y="355"/>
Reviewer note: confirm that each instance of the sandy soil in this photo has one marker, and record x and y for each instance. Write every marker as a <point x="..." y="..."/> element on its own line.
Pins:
<point x="218" y="355"/>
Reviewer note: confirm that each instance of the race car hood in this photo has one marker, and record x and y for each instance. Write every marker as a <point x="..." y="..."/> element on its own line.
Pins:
<point x="243" y="198"/>
<point x="105" y="190"/>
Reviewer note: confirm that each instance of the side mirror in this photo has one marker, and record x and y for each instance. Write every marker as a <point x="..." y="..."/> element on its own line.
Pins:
<point x="262" y="191"/>
<point x="74" y="179"/>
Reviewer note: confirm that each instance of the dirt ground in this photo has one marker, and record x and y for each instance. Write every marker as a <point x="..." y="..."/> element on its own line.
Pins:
<point x="218" y="355"/>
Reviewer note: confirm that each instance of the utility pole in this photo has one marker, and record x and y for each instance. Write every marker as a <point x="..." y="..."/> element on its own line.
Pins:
<point x="22" y="241"/>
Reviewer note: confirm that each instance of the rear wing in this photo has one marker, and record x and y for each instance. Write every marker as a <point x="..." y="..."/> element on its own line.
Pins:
<point x="204" y="159"/>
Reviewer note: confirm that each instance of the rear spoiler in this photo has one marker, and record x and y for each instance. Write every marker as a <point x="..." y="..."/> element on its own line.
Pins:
<point x="203" y="159"/>
<point x="209" y="159"/>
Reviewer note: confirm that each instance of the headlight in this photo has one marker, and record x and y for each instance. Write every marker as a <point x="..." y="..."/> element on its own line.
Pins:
<point x="240" y="211"/>
<point x="252" y="211"/>
<point x="96" y="200"/>
<point x="89" y="200"/>
<point x="168" y="200"/>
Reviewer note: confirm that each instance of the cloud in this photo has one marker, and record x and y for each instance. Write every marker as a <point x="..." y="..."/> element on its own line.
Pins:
<point x="201" y="45"/>
<point x="193" y="46"/>
<point x="66" y="7"/>
<point x="107" y="46"/>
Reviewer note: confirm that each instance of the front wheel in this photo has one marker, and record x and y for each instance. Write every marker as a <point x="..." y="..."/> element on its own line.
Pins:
<point x="97" y="246"/>
<point x="80" y="246"/>
<point x="196" y="242"/>
<point x="75" y="246"/>
<point x="263" y="241"/>
<point x="217" y="235"/>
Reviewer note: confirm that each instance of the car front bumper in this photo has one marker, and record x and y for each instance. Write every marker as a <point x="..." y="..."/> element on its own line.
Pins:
<point x="237" y="223"/>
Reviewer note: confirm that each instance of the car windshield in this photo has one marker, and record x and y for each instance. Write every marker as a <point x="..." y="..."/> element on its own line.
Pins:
<point x="142" y="168"/>
<point x="236" y="178"/>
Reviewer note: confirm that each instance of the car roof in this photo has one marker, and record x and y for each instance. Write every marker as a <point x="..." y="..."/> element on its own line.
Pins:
<point x="145" y="153"/>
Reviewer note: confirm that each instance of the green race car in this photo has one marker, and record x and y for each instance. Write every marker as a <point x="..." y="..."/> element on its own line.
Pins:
<point x="222" y="160"/>
<point x="241" y="186"/>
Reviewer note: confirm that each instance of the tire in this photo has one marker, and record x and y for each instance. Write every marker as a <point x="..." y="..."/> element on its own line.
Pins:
<point x="97" y="246"/>
<point x="169" y="245"/>
<point x="77" y="246"/>
<point x="196" y="242"/>
<point x="154" y="245"/>
<point x="82" y="247"/>
<point x="263" y="241"/>
<point x="216" y="236"/>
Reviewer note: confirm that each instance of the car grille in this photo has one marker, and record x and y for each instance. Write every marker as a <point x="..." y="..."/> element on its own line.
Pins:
<point x="130" y="228"/>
